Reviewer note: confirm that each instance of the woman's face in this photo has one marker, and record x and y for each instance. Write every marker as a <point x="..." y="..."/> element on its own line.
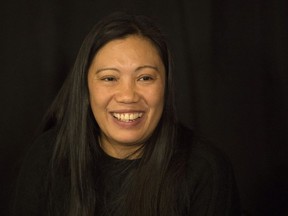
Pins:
<point x="126" y="83"/>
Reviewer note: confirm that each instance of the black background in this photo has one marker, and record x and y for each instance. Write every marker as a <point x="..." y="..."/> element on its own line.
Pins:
<point x="231" y="75"/>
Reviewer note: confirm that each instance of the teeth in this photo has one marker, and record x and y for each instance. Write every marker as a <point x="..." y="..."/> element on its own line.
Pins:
<point x="126" y="117"/>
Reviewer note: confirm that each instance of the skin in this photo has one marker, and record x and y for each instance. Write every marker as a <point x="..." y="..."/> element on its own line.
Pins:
<point x="127" y="76"/>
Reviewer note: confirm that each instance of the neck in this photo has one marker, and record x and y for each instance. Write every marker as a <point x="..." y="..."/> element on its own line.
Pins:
<point x="120" y="150"/>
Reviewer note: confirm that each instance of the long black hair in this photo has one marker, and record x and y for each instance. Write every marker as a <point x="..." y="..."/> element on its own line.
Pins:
<point x="153" y="186"/>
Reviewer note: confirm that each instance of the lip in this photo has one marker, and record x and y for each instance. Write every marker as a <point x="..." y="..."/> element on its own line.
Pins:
<point x="127" y="111"/>
<point x="128" y="124"/>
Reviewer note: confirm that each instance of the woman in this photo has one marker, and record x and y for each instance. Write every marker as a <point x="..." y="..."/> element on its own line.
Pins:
<point x="111" y="145"/>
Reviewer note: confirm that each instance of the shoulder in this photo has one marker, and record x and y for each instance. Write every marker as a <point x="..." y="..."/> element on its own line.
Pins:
<point x="41" y="149"/>
<point x="39" y="154"/>
<point x="45" y="140"/>
<point x="28" y="195"/>
<point x="210" y="177"/>
<point x="201" y="152"/>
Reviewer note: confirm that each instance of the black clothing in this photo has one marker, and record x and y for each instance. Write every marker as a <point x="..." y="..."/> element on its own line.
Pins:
<point x="210" y="179"/>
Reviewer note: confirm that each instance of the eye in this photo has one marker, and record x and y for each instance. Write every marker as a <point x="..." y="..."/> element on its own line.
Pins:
<point x="109" y="79"/>
<point x="146" y="78"/>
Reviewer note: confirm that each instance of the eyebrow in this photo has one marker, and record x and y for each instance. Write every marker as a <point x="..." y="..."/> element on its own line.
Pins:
<point x="137" y="69"/>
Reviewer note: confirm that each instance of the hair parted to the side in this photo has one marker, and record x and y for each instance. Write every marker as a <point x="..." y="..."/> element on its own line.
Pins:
<point x="151" y="188"/>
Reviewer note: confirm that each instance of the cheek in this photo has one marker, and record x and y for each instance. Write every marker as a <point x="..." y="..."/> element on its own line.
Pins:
<point x="98" y="105"/>
<point x="98" y="99"/>
<point x="156" y="99"/>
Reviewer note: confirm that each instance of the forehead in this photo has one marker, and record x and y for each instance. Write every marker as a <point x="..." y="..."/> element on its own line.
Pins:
<point x="132" y="45"/>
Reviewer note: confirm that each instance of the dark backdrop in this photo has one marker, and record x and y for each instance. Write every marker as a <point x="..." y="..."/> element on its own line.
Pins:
<point x="230" y="71"/>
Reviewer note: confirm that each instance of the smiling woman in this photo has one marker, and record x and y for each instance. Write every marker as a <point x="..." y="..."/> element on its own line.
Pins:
<point x="126" y="82"/>
<point x="111" y="144"/>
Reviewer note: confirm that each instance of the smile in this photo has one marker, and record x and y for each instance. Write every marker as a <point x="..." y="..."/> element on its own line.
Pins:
<point x="127" y="117"/>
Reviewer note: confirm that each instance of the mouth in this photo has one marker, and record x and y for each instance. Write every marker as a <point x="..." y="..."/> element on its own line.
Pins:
<point x="127" y="117"/>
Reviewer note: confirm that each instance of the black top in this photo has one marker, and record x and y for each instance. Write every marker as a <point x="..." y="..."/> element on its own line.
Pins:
<point x="210" y="178"/>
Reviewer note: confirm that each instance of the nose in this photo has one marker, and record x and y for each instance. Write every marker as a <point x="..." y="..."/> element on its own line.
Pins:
<point x="127" y="93"/>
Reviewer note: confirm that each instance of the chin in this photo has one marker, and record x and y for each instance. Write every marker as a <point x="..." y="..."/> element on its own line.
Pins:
<point x="129" y="141"/>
